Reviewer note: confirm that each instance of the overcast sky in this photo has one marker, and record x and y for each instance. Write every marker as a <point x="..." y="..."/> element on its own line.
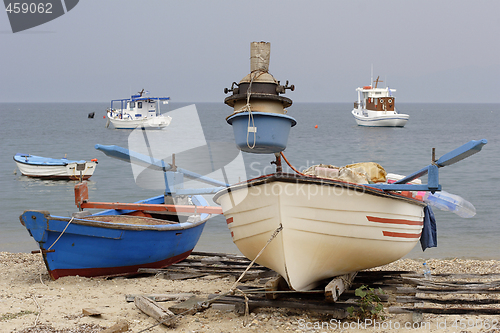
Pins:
<point x="428" y="50"/>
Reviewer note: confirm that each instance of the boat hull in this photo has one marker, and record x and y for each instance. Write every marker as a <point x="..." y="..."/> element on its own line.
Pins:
<point x="380" y="118"/>
<point x="93" y="246"/>
<point x="154" y="122"/>
<point x="329" y="228"/>
<point x="61" y="170"/>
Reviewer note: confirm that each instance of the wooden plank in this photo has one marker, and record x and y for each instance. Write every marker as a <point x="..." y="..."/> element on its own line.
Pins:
<point x="337" y="310"/>
<point x="461" y="301"/>
<point x="182" y="275"/>
<point x="448" y="311"/>
<point x="153" y="207"/>
<point x="337" y="286"/>
<point x="152" y="309"/>
<point x="405" y="290"/>
<point x="456" y="275"/>
<point x="217" y="254"/>
<point x="189" y="306"/>
<point x="275" y="284"/>
<point x="445" y="285"/>
<point x="161" y="297"/>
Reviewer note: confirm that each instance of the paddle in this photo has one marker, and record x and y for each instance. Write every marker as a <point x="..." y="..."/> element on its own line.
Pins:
<point x="470" y="148"/>
<point x="201" y="160"/>
<point x="458" y="154"/>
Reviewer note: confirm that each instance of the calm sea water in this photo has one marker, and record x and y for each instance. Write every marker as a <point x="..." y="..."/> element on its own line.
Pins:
<point x="56" y="129"/>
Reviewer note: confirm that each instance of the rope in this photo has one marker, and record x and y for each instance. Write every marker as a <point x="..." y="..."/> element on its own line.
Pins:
<point x="249" y="109"/>
<point x="291" y="166"/>
<point x="67" y="225"/>
<point x="206" y="304"/>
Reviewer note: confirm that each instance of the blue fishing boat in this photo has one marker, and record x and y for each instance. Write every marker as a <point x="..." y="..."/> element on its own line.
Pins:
<point x="118" y="241"/>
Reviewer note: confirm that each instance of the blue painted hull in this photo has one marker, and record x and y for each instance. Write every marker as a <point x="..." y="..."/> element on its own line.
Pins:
<point x="88" y="247"/>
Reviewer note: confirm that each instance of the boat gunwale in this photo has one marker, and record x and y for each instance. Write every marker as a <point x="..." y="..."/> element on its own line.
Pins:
<point x="62" y="163"/>
<point x="120" y="226"/>
<point x="294" y="178"/>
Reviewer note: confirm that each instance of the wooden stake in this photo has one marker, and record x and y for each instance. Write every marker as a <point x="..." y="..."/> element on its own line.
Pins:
<point x="152" y="309"/>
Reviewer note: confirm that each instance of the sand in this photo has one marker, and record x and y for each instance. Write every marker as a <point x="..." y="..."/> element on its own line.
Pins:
<point x="31" y="302"/>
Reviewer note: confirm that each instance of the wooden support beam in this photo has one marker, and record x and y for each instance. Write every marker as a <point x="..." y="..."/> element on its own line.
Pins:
<point x="153" y="207"/>
<point x="338" y="285"/>
<point x="275" y="284"/>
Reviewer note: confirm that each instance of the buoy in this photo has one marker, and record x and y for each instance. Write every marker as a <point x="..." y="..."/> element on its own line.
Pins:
<point x="103" y="117"/>
<point x="316" y="126"/>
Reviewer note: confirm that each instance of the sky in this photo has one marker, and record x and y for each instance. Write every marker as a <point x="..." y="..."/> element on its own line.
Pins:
<point x="429" y="51"/>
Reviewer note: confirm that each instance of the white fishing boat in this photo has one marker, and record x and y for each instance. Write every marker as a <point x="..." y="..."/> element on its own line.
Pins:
<point x="328" y="227"/>
<point x="375" y="107"/>
<point x="138" y="111"/>
<point x="53" y="168"/>
<point x="309" y="227"/>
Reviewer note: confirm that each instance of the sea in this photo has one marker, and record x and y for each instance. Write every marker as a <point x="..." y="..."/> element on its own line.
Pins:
<point x="325" y="133"/>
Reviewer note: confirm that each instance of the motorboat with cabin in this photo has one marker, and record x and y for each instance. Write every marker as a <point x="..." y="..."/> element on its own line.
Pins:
<point x="139" y="110"/>
<point x="376" y="107"/>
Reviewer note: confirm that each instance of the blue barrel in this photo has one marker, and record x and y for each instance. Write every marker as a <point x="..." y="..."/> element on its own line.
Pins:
<point x="261" y="132"/>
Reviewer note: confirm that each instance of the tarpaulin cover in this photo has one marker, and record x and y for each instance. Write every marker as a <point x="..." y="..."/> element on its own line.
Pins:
<point x="359" y="173"/>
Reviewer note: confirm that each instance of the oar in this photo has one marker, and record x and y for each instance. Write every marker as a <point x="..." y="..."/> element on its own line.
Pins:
<point x="470" y="148"/>
<point x="152" y="163"/>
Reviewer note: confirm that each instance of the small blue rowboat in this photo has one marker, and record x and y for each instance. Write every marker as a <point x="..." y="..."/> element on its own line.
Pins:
<point x="114" y="242"/>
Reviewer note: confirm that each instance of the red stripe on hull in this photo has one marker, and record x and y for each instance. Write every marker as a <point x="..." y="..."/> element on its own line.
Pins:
<point x="393" y="221"/>
<point x="401" y="234"/>
<point x="116" y="271"/>
<point x="229" y="220"/>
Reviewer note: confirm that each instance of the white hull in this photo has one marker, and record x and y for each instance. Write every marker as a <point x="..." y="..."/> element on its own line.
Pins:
<point x="153" y="122"/>
<point x="379" y="118"/>
<point x="330" y="228"/>
<point x="57" y="171"/>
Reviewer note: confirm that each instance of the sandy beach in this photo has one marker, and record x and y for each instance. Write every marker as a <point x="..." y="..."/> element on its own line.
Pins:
<point x="30" y="302"/>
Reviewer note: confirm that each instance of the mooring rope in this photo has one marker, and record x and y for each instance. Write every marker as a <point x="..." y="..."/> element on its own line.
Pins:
<point x="67" y="225"/>
<point x="206" y="304"/>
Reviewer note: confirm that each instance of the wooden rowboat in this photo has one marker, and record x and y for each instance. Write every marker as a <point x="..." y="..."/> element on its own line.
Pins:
<point x="147" y="234"/>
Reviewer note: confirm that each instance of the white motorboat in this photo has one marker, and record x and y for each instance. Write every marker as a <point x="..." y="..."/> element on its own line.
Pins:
<point x="53" y="168"/>
<point x="138" y="111"/>
<point x="375" y="107"/>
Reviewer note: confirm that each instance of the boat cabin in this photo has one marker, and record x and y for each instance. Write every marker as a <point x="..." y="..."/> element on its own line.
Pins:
<point x="375" y="99"/>
<point x="137" y="107"/>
